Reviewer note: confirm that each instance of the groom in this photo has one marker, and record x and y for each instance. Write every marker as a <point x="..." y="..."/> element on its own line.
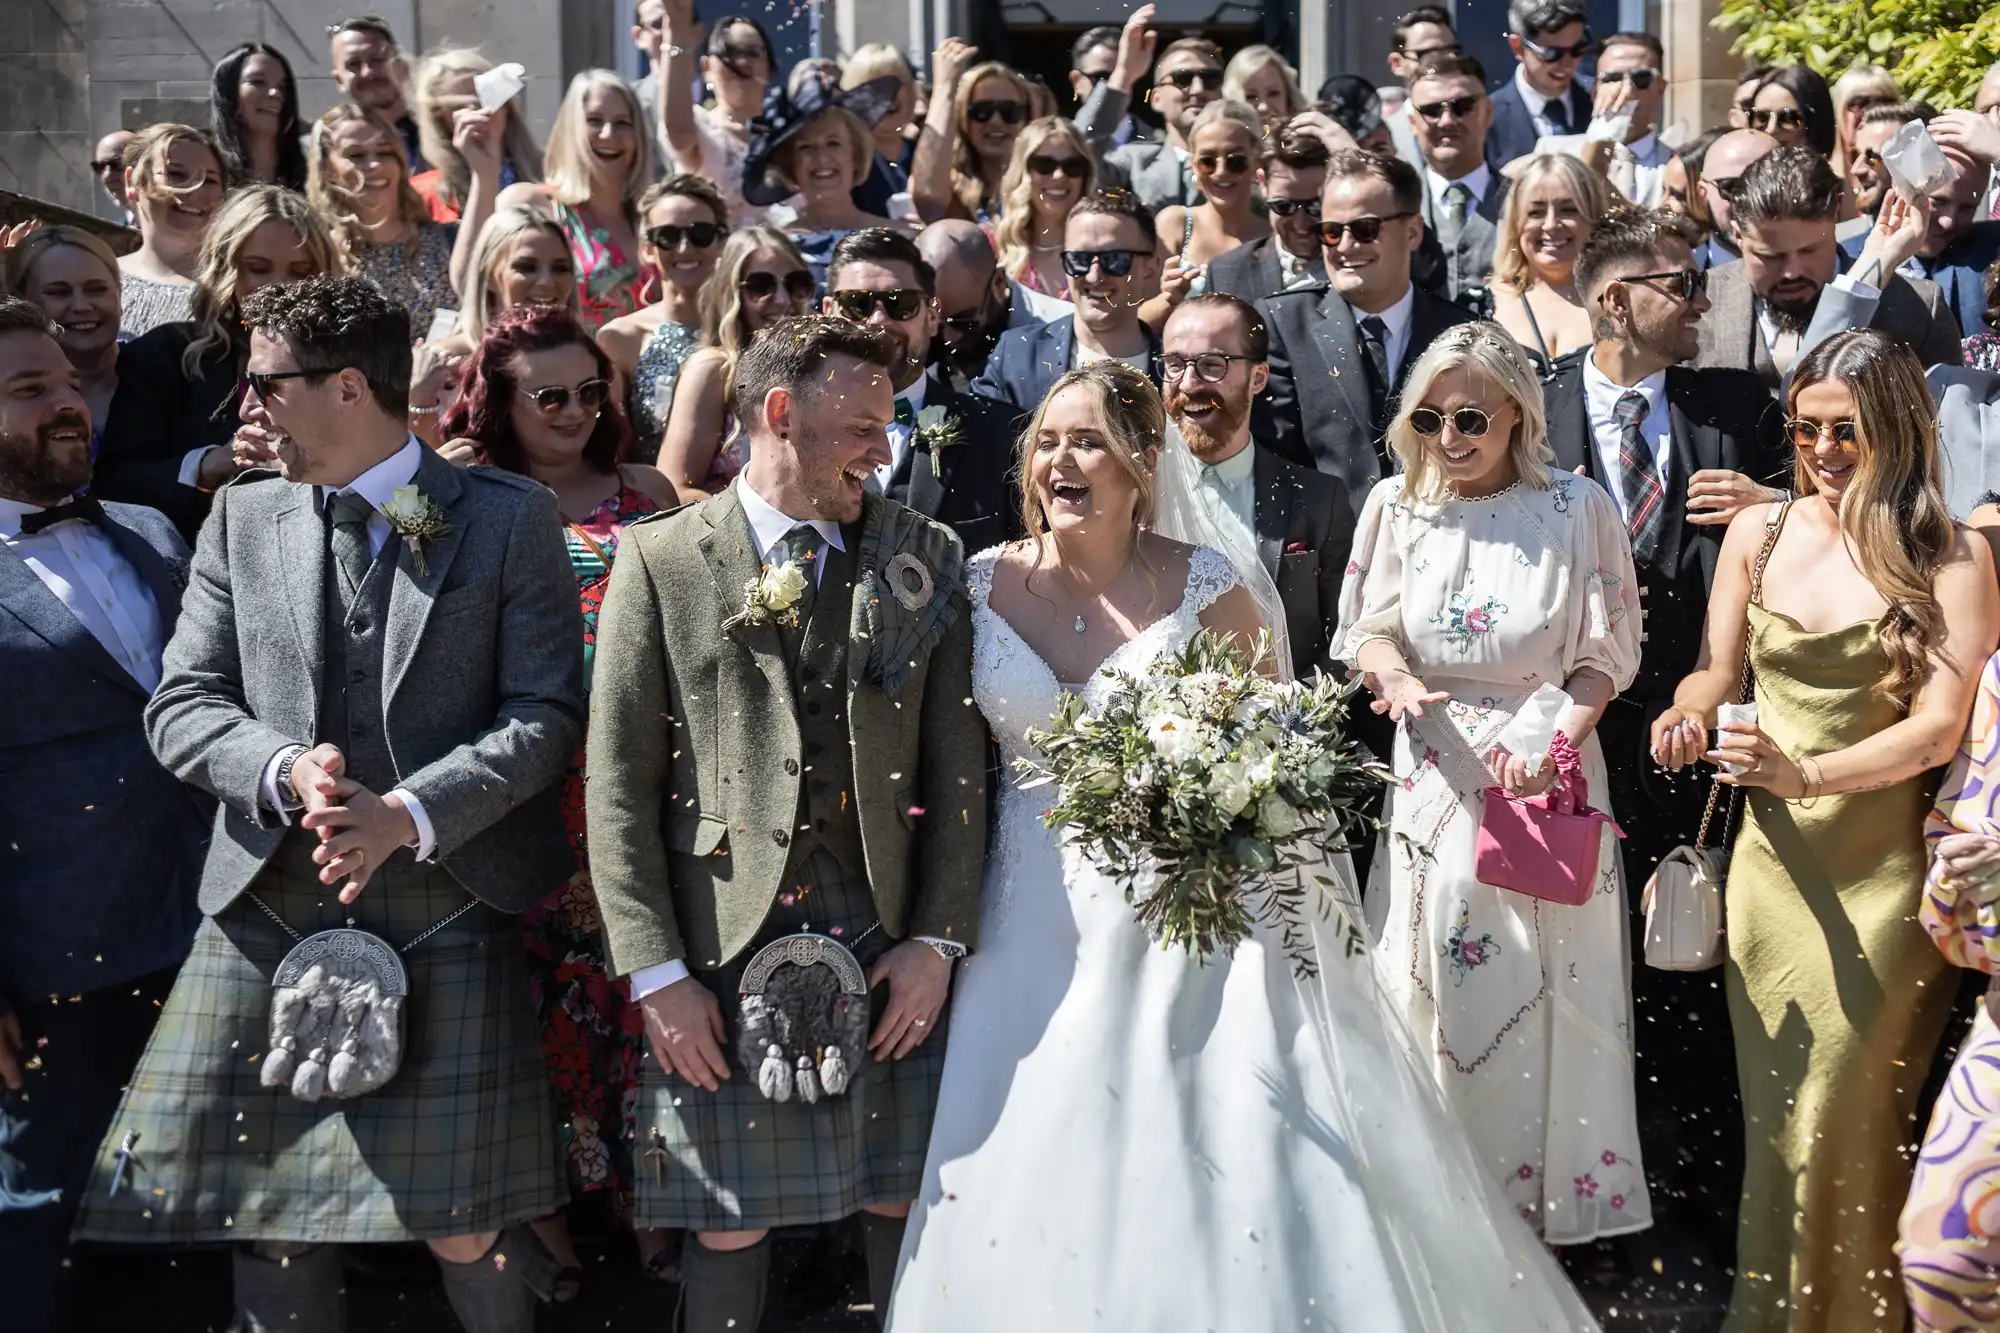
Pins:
<point x="783" y="746"/>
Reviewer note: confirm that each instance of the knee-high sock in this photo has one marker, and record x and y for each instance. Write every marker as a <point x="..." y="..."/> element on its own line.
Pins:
<point x="488" y="1295"/>
<point x="722" y="1291"/>
<point x="883" y="1237"/>
<point x="286" y="1288"/>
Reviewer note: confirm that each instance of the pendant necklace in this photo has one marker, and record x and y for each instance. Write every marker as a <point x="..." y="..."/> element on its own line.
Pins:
<point x="1070" y="596"/>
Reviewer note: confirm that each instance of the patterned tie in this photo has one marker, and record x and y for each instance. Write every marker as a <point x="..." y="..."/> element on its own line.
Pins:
<point x="1638" y="484"/>
<point x="1457" y="198"/>
<point x="350" y="540"/>
<point x="905" y="414"/>
<point x="1375" y="355"/>
<point x="803" y="544"/>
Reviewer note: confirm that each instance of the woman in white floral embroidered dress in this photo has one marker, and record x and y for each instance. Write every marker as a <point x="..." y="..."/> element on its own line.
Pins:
<point x="1479" y="575"/>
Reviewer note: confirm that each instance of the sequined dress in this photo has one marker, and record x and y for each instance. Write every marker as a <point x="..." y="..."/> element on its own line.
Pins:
<point x="666" y="350"/>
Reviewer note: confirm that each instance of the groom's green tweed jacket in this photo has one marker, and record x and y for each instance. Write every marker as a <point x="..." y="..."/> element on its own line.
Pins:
<point x="694" y="755"/>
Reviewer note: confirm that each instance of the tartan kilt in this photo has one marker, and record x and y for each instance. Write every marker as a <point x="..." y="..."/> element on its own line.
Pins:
<point x="732" y="1160"/>
<point x="461" y="1140"/>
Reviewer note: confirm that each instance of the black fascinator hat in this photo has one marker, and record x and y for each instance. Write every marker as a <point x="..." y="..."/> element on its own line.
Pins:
<point x="785" y="115"/>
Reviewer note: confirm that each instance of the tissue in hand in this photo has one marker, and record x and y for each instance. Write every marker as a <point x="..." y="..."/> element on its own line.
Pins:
<point x="1534" y="726"/>
<point x="1727" y="713"/>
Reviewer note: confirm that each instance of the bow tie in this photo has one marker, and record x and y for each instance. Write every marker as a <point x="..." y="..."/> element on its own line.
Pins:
<point x="905" y="414"/>
<point x="84" y="509"/>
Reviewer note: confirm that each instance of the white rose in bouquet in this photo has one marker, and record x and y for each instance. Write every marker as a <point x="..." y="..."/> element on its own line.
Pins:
<point x="1229" y="783"/>
<point x="1276" y="818"/>
<point x="1174" y="737"/>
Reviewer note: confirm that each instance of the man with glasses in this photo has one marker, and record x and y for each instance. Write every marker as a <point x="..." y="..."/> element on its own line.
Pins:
<point x="1631" y="82"/>
<point x="369" y="70"/>
<point x="1338" y="352"/>
<point x="878" y="277"/>
<point x="1091" y="61"/>
<point x="1462" y="194"/>
<point x="1425" y="30"/>
<point x="1721" y="177"/>
<point x="977" y="301"/>
<point x="1681" y="451"/>
<point x="1784" y="215"/>
<point x="108" y="165"/>
<point x="1187" y="76"/>
<point x="1215" y="358"/>
<point x="1959" y="246"/>
<point x="1291" y="168"/>
<point x="1867" y="178"/>
<point x="1549" y="40"/>
<point x="376" y="671"/>
<point x="1109" y="254"/>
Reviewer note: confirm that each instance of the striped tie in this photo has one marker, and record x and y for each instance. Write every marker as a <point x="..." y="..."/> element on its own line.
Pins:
<point x="1638" y="482"/>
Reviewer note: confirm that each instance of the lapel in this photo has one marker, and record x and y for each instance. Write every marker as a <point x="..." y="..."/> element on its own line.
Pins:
<point x="927" y="482"/>
<point x="411" y="594"/>
<point x="1693" y="449"/>
<point x="1267" y="274"/>
<point x="1274" y="509"/>
<point x="153" y="570"/>
<point x="1049" y="358"/>
<point x="302" y="539"/>
<point x="1569" y="430"/>
<point x="1339" y="344"/>
<point x="860" y="646"/>
<point x="24" y="596"/>
<point x="733" y="560"/>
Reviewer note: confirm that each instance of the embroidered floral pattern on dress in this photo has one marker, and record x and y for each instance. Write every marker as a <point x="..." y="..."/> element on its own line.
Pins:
<point x="1462" y="953"/>
<point x="1466" y="618"/>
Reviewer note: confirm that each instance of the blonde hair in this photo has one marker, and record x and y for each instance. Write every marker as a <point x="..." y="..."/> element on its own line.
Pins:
<point x="21" y="260"/>
<point x="1134" y="421"/>
<point x="146" y="156"/>
<point x="968" y="183"/>
<point x="434" y="111"/>
<point x="875" y="61"/>
<point x="500" y="231"/>
<point x="1247" y="62"/>
<point x="721" y="298"/>
<point x="1229" y="109"/>
<point x="1015" y="234"/>
<point x="212" y="304"/>
<point x="567" y="164"/>
<point x="1594" y="199"/>
<point x="1491" y="352"/>
<point x="860" y="143"/>
<point x="1893" y="513"/>
<point x="334" y="203"/>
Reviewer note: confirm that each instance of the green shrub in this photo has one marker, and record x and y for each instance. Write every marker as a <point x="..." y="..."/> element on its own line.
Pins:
<point x="1937" y="49"/>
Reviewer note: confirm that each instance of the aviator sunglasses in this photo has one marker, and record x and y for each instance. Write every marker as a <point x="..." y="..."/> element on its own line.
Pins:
<point x="1805" y="434"/>
<point x="552" y="399"/>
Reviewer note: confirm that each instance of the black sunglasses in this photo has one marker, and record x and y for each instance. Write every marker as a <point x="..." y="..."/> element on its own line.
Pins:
<point x="699" y="235"/>
<point x="1010" y="111"/>
<point x="1460" y="108"/>
<point x="898" y="303"/>
<point x="1210" y="76"/>
<point x="1642" y="79"/>
<point x="1233" y="163"/>
<point x="1575" y="51"/>
<point x="798" y="284"/>
<point x="1116" y="263"/>
<point x="1418" y="54"/>
<point x="551" y="400"/>
<point x="1692" y="282"/>
<point x="1285" y="208"/>
<point x="1471" y="422"/>
<point x="1366" y="230"/>
<point x="1210" y="366"/>
<point x="107" y="164"/>
<point x="1076" y="168"/>
<point x="1726" y="186"/>
<point x="260" y="381"/>
<point x="1805" y="434"/>
<point x="1765" y="119"/>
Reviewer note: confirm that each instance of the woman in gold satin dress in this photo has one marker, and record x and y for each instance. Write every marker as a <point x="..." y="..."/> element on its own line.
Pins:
<point x="1868" y="615"/>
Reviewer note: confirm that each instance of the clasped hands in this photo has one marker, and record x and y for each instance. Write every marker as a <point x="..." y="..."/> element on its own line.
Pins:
<point x="684" y="1021"/>
<point x="1680" y="740"/>
<point x="358" y="830"/>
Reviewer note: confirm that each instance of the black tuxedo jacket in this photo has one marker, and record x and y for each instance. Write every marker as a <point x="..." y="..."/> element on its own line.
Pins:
<point x="970" y="486"/>
<point x="1305" y="533"/>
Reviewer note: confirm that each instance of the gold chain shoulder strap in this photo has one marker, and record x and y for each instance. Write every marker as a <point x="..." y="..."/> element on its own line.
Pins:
<point x="1744" y="682"/>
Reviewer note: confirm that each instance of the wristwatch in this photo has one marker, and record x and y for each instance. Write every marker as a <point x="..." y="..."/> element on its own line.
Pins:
<point x="285" y="787"/>
<point x="946" y="950"/>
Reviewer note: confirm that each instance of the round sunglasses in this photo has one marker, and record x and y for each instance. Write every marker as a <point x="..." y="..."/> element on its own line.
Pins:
<point x="1233" y="164"/>
<point x="899" y="303"/>
<point x="552" y="399"/>
<point x="1076" y="168"/>
<point x="698" y="235"/>
<point x="1805" y="434"/>
<point x="1471" y="422"/>
<point x="799" y="285"/>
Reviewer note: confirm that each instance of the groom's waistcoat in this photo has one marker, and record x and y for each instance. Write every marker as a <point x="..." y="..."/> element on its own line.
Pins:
<point x="350" y="697"/>
<point x="818" y="650"/>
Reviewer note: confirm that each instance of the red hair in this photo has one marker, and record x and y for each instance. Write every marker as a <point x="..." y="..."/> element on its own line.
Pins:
<point x="484" y="412"/>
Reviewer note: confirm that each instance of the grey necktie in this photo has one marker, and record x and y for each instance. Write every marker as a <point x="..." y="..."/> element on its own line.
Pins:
<point x="350" y="540"/>
<point x="1451" y="216"/>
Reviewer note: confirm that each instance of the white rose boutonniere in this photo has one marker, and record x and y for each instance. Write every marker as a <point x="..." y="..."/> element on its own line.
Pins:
<point x="417" y="520"/>
<point x="936" y="430"/>
<point x="771" y="595"/>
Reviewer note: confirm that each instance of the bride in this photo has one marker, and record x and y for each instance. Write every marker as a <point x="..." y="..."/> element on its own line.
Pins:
<point x="1128" y="1139"/>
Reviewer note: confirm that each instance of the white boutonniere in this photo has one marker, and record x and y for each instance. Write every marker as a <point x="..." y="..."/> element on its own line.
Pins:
<point x="936" y="430"/>
<point x="771" y="595"/>
<point x="417" y="520"/>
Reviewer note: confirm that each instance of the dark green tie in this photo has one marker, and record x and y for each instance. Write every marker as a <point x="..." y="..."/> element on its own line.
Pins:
<point x="350" y="540"/>
<point x="905" y="414"/>
<point x="803" y="544"/>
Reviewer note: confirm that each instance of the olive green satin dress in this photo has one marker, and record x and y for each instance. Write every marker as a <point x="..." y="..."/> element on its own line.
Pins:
<point x="1838" y="1000"/>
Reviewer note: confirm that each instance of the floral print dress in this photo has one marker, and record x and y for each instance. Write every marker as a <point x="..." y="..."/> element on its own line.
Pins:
<point x="609" y="283"/>
<point x="593" y="1036"/>
<point x="1521" y="1007"/>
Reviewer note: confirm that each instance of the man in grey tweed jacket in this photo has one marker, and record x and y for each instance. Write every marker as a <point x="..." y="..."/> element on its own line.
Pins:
<point x="760" y="780"/>
<point x="378" y="669"/>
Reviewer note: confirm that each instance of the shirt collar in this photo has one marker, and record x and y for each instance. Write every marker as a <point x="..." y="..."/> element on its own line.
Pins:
<point x="1536" y="101"/>
<point x="1645" y="146"/>
<point x="769" y="524"/>
<point x="1478" y="180"/>
<point x="11" y="514"/>
<point x="914" y="395"/>
<point x="1397" y="317"/>
<point x="1603" y="395"/>
<point x="1235" y="469"/>
<point x="379" y="483"/>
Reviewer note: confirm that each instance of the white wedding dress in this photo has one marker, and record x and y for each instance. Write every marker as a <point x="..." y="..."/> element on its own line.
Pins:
<point x="1130" y="1141"/>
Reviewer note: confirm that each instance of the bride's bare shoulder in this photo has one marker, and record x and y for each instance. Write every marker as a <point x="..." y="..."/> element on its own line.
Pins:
<point x="1165" y="554"/>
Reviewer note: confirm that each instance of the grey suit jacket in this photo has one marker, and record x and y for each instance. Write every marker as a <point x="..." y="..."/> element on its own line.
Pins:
<point x="1914" y="312"/>
<point x="482" y="675"/>
<point x="1470" y="263"/>
<point x="697" y="761"/>
<point x="1151" y="170"/>
<point x="1253" y="270"/>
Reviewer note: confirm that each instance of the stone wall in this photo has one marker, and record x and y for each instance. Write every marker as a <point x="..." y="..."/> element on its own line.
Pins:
<point x="45" y="113"/>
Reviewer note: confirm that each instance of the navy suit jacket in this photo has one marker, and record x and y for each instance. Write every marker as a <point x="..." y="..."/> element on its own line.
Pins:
<point x="1960" y="272"/>
<point x="1513" y="133"/>
<point x="1027" y="361"/>
<point x="104" y="847"/>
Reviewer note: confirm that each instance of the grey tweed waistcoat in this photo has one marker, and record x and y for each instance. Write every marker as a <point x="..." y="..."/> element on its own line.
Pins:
<point x="818" y="648"/>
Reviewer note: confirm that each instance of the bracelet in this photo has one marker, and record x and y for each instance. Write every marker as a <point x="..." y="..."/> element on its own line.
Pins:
<point x="1815" y="783"/>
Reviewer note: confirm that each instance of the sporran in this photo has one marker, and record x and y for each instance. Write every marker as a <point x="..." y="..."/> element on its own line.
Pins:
<point x="804" y="1018"/>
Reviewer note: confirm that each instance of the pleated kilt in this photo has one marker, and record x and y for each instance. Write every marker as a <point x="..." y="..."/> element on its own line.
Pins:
<point x="461" y="1140"/>
<point x="733" y="1160"/>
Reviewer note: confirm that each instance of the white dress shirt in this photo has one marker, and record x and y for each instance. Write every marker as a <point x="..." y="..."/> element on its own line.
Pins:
<point x="1538" y="104"/>
<point x="1397" y="320"/>
<point x="1228" y="491"/>
<point x="1294" y="270"/>
<point x="88" y="574"/>
<point x="1600" y="398"/>
<point x="1767" y="324"/>
<point x="899" y="434"/>
<point x="1478" y="180"/>
<point x="375" y="486"/>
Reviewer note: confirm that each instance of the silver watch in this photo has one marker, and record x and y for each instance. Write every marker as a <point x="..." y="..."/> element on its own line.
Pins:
<point x="946" y="950"/>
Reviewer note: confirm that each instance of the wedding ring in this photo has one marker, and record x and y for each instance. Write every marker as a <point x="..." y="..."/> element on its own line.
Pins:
<point x="920" y="1022"/>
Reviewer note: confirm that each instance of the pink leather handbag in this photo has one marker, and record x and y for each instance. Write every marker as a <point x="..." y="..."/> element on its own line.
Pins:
<point x="1544" y="846"/>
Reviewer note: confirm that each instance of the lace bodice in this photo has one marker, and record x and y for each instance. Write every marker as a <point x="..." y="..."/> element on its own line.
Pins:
<point x="1015" y="688"/>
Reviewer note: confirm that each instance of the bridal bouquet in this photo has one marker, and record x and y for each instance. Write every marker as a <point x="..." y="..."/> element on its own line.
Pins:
<point x="1210" y="792"/>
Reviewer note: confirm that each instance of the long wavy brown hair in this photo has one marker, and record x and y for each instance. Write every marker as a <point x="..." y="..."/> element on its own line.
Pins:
<point x="1134" y="423"/>
<point x="1893" y="513"/>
